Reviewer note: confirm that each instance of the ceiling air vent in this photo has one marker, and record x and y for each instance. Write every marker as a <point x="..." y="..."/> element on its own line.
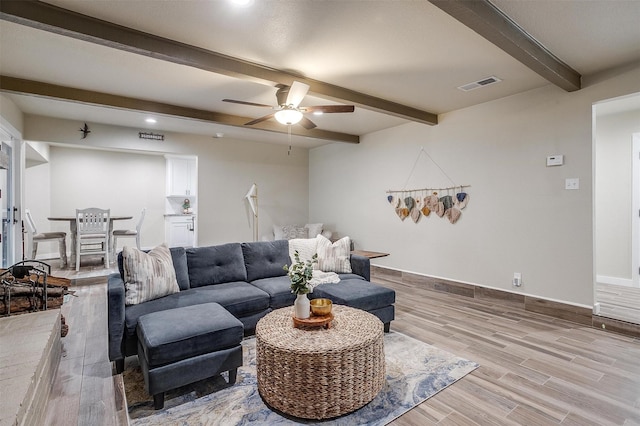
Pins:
<point x="480" y="83"/>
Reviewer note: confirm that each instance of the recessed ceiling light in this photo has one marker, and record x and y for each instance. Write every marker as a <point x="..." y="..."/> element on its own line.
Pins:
<point x="317" y="113"/>
<point x="151" y="120"/>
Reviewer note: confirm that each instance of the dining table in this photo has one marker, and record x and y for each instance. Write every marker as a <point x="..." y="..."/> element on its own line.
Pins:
<point x="74" y="230"/>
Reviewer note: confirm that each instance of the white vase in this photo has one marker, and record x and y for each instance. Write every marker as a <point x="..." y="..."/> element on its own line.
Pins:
<point x="302" y="307"/>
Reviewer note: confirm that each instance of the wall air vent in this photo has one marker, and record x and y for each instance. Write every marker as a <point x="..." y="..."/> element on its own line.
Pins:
<point x="480" y="83"/>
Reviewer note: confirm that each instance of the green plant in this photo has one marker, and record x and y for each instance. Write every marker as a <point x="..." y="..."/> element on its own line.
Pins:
<point x="300" y="273"/>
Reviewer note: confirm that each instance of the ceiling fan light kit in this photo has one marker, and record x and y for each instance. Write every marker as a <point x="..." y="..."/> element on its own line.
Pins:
<point x="288" y="111"/>
<point x="288" y="116"/>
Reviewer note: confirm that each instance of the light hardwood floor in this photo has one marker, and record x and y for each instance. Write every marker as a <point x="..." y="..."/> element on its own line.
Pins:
<point x="534" y="370"/>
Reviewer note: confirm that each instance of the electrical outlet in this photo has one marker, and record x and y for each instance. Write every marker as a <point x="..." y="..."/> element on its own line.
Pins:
<point x="517" y="279"/>
<point x="572" y="183"/>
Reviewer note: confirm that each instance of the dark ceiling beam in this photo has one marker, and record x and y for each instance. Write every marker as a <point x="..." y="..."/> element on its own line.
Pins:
<point x="61" y="21"/>
<point x="36" y="88"/>
<point x="491" y="23"/>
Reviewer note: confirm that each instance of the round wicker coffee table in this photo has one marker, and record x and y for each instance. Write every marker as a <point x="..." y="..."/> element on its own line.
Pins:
<point x="318" y="373"/>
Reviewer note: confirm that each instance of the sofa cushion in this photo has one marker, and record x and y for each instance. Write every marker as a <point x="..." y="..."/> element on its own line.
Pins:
<point x="279" y="290"/>
<point x="241" y="300"/>
<point x="265" y="259"/>
<point x="179" y="258"/>
<point x="148" y="276"/>
<point x="215" y="264"/>
<point x="358" y="294"/>
<point x="344" y="277"/>
<point x="182" y="333"/>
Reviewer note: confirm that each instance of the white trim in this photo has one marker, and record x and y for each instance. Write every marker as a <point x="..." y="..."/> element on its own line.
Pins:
<point x="603" y="279"/>
<point x="635" y="212"/>
<point x="564" y="302"/>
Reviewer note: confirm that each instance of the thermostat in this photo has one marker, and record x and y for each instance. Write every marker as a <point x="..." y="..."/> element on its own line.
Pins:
<point x="555" y="160"/>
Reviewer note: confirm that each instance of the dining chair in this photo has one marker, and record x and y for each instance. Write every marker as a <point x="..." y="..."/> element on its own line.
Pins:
<point x="122" y="233"/>
<point x="92" y="233"/>
<point x="34" y="237"/>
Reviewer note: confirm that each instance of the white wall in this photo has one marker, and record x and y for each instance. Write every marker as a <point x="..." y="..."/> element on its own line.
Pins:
<point x="519" y="218"/>
<point x="613" y="171"/>
<point x="226" y="170"/>
<point x="10" y="115"/>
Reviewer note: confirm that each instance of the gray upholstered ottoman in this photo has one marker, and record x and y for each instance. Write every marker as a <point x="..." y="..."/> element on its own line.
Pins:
<point x="184" y="345"/>
<point x="361" y="294"/>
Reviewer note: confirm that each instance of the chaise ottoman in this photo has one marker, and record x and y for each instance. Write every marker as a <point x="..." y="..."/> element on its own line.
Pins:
<point x="361" y="294"/>
<point x="184" y="345"/>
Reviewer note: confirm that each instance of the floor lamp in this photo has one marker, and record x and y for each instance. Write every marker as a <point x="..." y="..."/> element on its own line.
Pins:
<point x="252" y="198"/>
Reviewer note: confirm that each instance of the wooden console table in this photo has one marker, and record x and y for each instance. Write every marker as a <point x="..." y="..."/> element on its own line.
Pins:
<point x="369" y="254"/>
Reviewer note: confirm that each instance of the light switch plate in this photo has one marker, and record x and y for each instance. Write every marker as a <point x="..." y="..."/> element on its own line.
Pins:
<point x="572" y="183"/>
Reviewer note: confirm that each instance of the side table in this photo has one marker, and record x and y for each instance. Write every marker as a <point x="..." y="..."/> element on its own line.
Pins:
<point x="369" y="254"/>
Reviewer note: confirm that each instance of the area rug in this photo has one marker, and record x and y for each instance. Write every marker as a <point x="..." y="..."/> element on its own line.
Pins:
<point x="415" y="372"/>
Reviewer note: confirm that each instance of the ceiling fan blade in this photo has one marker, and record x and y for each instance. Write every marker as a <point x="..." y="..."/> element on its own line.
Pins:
<point x="259" y="120"/>
<point x="233" y="101"/>
<point x="297" y="92"/>
<point x="307" y="124"/>
<point x="329" y="108"/>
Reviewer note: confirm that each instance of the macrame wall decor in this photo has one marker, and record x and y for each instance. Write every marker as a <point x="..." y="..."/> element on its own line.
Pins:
<point x="417" y="203"/>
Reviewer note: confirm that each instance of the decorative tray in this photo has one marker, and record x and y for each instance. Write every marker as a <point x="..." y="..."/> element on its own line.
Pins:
<point x="313" y="321"/>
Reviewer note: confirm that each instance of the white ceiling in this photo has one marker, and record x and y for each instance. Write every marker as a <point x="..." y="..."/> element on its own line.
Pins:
<point x="409" y="52"/>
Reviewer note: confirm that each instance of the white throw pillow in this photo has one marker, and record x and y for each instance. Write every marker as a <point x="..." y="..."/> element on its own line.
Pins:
<point x="148" y="276"/>
<point x="306" y="248"/>
<point x="314" y="229"/>
<point x="334" y="257"/>
<point x="277" y="232"/>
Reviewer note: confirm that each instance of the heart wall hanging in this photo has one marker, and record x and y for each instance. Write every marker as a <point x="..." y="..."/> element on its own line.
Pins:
<point x="418" y="203"/>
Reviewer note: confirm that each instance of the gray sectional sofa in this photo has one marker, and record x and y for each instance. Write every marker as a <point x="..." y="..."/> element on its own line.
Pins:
<point x="247" y="279"/>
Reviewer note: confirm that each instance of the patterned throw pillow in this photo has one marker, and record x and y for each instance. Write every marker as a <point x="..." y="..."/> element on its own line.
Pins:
<point x="314" y="229"/>
<point x="290" y="232"/>
<point x="334" y="257"/>
<point x="148" y="276"/>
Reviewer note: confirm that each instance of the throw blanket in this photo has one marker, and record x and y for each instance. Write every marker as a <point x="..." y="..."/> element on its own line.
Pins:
<point x="320" y="277"/>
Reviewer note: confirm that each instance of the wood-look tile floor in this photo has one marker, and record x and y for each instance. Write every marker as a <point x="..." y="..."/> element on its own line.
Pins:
<point x="534" y="370"/>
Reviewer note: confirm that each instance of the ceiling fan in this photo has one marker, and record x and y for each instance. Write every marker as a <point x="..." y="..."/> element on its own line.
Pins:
<point x="288" y="112"/>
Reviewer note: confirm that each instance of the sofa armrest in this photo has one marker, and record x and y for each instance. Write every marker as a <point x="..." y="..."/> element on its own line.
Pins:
<point x="115" y="316"/>
<point x="361" y="265"/>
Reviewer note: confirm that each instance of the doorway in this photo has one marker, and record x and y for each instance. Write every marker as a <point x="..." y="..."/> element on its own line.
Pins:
<point x="6" y="204"/>
<point x="616" y="138"/>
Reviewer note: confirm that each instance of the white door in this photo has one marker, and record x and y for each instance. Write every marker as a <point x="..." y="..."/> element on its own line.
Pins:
<point x="6" y="204"/>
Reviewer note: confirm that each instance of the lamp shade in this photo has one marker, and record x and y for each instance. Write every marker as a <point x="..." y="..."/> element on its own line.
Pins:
<point x="251" y="197"/>
<point x="288" y="116"/>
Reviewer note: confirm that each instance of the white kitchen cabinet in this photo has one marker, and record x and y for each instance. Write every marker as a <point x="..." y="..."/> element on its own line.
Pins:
<point x="180" y="231"/>
<point x="182" y="176"/>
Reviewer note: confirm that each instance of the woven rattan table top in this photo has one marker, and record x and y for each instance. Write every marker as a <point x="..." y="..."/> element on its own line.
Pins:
<point x="350" y="329"/>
